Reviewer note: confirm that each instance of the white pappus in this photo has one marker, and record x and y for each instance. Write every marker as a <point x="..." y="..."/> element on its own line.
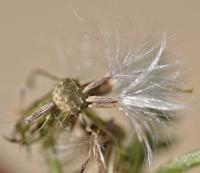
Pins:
<point x="148" y="88"/>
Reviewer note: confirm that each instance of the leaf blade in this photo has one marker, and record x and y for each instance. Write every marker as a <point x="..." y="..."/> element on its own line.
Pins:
<point x="181" y="164"/>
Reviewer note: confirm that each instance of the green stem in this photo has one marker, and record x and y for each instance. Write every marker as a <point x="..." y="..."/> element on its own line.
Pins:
<point x="181" y="164"/>
<point x="53" y="162"/>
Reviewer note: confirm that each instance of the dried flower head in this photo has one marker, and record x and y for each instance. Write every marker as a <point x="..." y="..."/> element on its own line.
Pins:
<point x="144" y="84"/>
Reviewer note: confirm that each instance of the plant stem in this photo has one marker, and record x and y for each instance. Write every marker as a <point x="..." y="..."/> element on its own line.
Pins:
<point x="53" y="162"/>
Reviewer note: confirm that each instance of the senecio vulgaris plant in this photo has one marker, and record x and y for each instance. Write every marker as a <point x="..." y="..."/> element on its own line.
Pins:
<point x="143" y="83"/>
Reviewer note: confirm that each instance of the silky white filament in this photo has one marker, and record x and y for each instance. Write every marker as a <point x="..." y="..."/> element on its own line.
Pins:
<point x="146" y="88"/>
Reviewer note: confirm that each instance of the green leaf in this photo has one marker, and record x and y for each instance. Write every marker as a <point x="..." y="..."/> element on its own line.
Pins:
<point x="181" y="164"/>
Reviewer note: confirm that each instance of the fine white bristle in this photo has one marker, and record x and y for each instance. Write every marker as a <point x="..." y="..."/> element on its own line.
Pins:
<point x="146" y="87"/>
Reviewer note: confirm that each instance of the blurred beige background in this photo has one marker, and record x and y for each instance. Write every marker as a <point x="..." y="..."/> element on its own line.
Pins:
<point x="27" y="33"/>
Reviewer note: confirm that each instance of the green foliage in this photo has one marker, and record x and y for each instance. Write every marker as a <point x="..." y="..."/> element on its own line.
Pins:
<point x="132" y="158"/>
<point x="181" y="164"/>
